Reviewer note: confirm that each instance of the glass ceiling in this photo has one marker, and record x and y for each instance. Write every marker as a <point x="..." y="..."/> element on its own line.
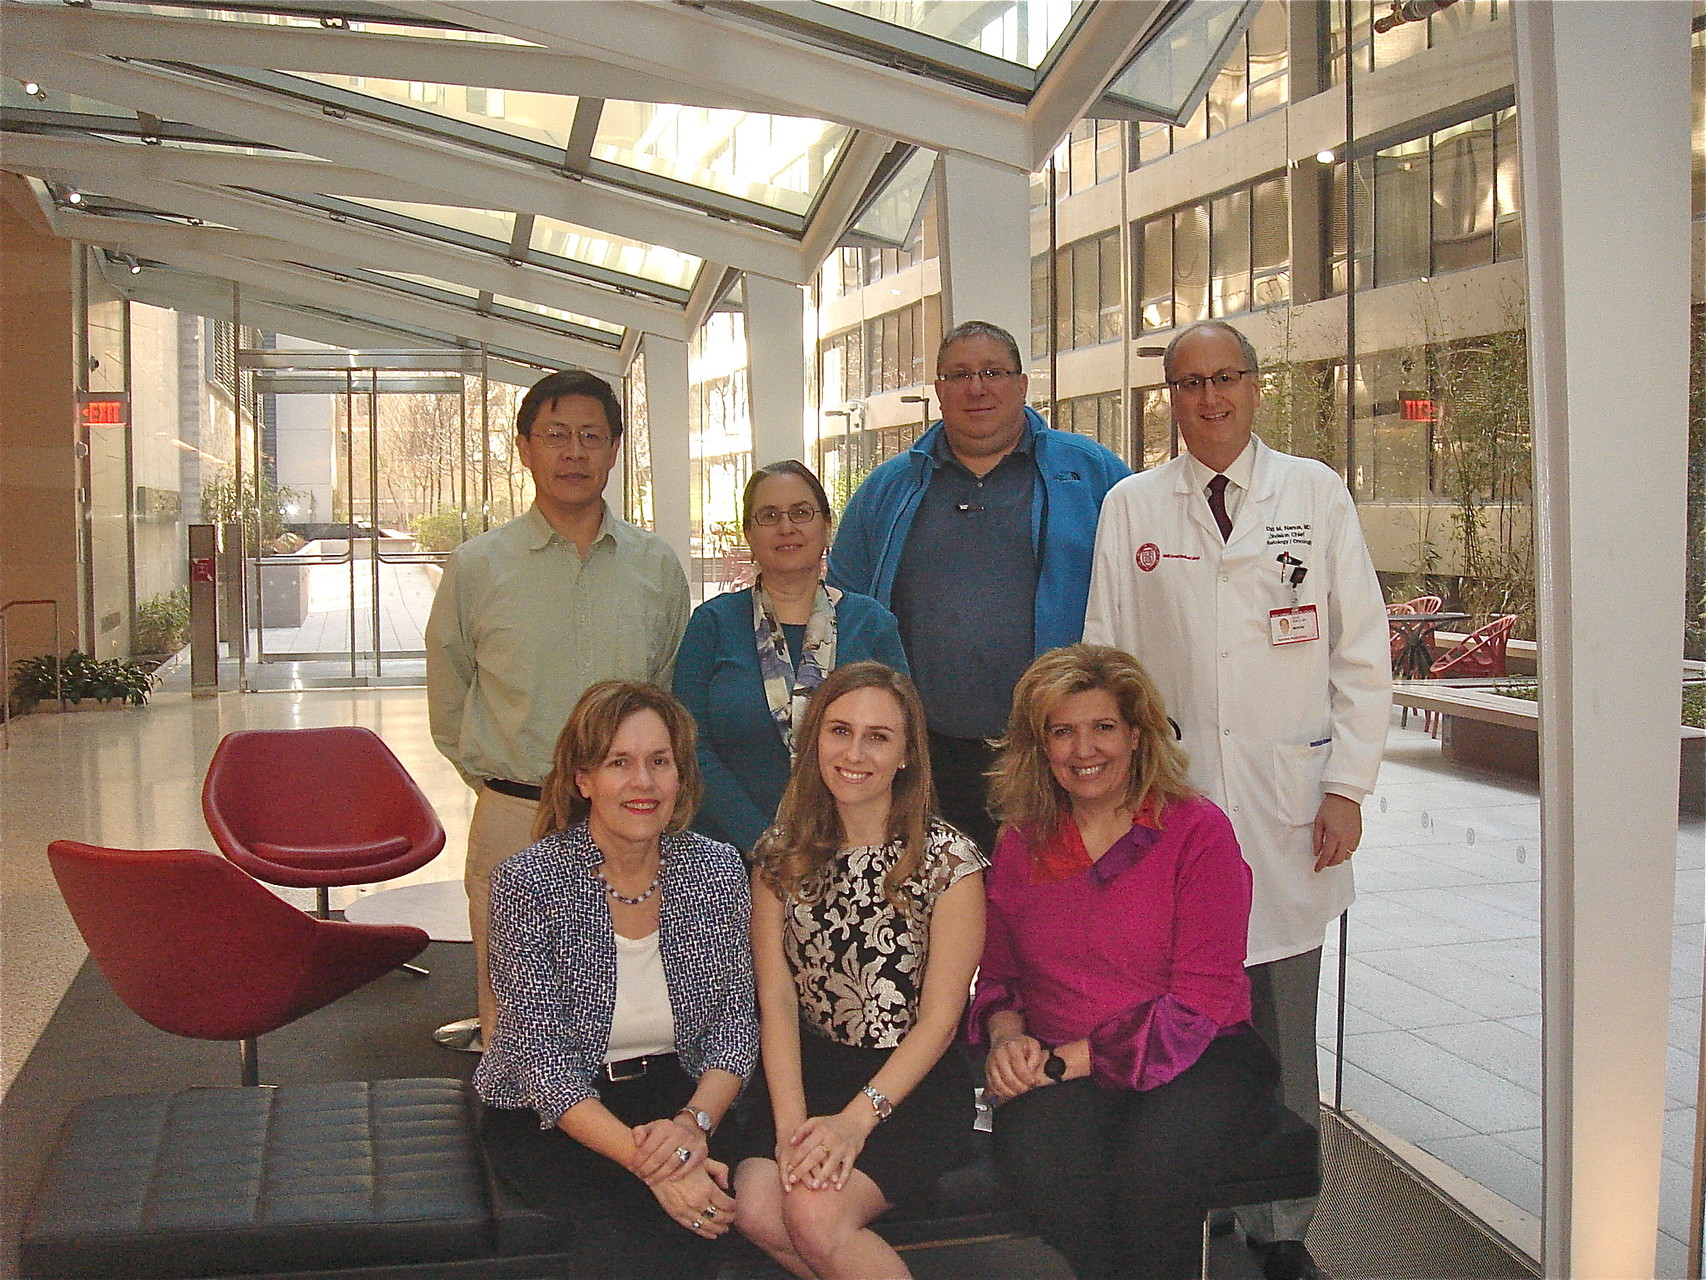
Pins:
<point x="1018" y="31"/>
<point x="618" y="190"/>
<point x="779" y="161"/>
<point x="544" y="118"/>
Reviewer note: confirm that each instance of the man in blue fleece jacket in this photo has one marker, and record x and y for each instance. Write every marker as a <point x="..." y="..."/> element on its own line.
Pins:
<point x="979" y="540"/>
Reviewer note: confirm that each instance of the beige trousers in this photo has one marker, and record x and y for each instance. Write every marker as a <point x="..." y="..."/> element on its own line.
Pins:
<point x="501" y="827"/>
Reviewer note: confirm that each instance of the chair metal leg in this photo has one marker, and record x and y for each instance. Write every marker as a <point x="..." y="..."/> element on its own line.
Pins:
<point x="417" y="970"/>
<point x="1203" y="1274"/>
<point x="323" y="902"/>
<point x="249" y="1061"/>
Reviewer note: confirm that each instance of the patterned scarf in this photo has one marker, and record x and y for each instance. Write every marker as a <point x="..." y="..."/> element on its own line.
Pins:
<point x="786" y="690"/>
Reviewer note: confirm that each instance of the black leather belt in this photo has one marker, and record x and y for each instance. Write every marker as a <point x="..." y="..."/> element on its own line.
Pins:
<point x="520" y="790"/>
<point x="634" y="1068"/>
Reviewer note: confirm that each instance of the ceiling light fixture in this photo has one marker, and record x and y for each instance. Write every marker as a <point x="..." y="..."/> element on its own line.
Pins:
<point x="34" y="90"/>
<point x="73" y="196"/>
<point x="1325" y="157"/>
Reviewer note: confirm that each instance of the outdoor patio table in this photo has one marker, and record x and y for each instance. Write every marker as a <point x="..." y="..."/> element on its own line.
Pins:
<point x="1416" y="656"/>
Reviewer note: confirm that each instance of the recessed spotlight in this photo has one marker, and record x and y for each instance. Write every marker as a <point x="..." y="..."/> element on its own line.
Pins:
<point x="1325" y="157"/>
<point x="34" y="90"/>
<point x="73" y="196"/>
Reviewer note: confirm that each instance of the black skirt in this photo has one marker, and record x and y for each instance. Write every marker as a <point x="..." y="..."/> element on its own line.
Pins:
<point x="909" y="1152"/>
<point x="620" y="1231"/>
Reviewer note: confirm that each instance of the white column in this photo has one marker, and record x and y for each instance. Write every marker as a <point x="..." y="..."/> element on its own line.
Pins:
<point x="1603" y="97"/>
<point x="672" y="469"/>
<point x="776" y="371"/>
<point x="983" y="222"/>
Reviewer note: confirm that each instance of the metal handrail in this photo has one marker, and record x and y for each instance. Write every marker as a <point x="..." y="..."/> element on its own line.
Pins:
<point x="6" y="664"/>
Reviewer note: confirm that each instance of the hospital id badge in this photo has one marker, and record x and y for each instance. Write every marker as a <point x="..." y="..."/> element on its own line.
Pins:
<point x="1295" y="625"/>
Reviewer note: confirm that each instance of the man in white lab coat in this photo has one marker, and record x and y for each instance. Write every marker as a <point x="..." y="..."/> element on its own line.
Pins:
<point x="1239" y="577"/>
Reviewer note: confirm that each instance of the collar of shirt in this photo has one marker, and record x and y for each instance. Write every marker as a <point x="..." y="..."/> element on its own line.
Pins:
<point x="540" y="532"/>
<point x="942" y="452"/>
<point x="1240" y="473"/>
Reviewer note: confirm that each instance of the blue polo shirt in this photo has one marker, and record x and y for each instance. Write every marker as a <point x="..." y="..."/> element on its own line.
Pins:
<point x="965" y="591"/>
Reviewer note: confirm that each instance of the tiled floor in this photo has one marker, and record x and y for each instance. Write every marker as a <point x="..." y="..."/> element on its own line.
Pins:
<point x="1442" y="978"/>
<point x="1442" y="987"/>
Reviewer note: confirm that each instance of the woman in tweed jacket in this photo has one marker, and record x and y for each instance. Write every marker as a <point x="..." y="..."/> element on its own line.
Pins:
<point x="626" y="1020"/>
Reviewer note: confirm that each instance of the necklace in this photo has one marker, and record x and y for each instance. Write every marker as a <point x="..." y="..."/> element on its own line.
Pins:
<point x="623" y="898"/>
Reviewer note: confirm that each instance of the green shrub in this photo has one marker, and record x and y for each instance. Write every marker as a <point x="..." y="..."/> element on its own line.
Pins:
<point x="162" y="623"/>
<point x="79" y="676"/>
<point x="440" y="531"/>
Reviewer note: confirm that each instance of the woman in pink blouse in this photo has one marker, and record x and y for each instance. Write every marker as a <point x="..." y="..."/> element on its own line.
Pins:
<point x="1112" y="991"/>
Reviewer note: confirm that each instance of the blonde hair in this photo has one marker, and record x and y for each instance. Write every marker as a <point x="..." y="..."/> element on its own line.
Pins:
<point x="808" y="831"/>
<point x="1023" y="792"/>
<point x="585" y="741"/>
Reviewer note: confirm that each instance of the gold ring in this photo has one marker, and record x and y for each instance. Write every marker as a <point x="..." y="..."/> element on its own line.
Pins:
<point x="710" y="1211"/>
<point x="696" y="1224"/>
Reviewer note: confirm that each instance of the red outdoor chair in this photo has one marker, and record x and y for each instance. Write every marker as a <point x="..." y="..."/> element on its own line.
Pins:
<point x="1424" y="604"/>
<point x="196" y="947"/>
<point x="312" y="808"/>
<point x="1480" y="653"/>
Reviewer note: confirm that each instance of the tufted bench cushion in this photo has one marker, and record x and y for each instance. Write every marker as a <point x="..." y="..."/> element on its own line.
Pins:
<point x="231" y="1181"/>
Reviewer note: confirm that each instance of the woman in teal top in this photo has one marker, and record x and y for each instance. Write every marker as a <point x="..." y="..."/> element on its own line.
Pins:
<point x="750" y="659"/>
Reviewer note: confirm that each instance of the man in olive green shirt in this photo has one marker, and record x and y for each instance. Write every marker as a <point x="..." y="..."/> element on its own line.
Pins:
<point x="531" y="613"/>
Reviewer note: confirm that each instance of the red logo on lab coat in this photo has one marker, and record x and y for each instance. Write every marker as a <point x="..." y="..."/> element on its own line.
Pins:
<point x="1148" y="556"/>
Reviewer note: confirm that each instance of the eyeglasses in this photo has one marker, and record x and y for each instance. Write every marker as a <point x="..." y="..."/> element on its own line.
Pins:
<point x="1222" y="381"/>
<point x="992" y="378"/>
<point x="801" y="513"/>
<point x="559" y="442"/>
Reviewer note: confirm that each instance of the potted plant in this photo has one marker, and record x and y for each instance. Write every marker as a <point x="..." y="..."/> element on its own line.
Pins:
<point x="78" y="677"/>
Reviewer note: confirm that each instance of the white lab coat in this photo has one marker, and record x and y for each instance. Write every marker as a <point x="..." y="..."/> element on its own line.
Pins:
<point x="1267" y="726"/>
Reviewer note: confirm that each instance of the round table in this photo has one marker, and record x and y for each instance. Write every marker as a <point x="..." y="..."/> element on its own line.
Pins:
<point x="441" y="908"/>
<point x="1415" y="657"/>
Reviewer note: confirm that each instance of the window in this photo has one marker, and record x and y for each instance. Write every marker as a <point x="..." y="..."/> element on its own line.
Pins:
<point x="1091" y="154"/>
<point x="1096" y="416"/>
<point x="485" y="102"/>
<point x="885" y="353"/>
<point x="1216" y="257"/>
<point x="1229" y="253"/>
<point x="1371" y="51"/>
<point x="1255" y="80"/>
<point x="1441" y="202"/>
<point x="1088" y="305"/>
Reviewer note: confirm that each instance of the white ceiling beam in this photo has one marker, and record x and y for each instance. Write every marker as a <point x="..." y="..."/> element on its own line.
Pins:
<point x="472" y="178"/>
<point x="841" y="197"/>
<point x="36" y="152"/>
<point x="341" y="245"/>
<point x="202" y="296"/>
<point x="45" y="152"/>
<point x="1111" y="36"/>
<point x="705" y="294"/>
<point x="355" y="298"/>
<point x="712" y="53"/>
<point x="305" y="49"/>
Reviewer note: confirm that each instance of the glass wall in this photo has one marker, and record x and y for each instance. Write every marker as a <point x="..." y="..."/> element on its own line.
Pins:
<point x="1370" y="244"/>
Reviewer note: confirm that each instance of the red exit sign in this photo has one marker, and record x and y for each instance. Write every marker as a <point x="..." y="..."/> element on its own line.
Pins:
<point x="101" y="409"/>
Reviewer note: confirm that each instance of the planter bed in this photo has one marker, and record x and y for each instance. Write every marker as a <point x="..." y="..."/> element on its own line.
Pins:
<point x="1493" y="731"/>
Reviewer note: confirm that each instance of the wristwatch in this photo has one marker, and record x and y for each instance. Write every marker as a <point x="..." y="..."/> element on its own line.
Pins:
<point x="1054" y="1066"/>
<point x="700" y="1118"/>
<point x="879" y="1103"/>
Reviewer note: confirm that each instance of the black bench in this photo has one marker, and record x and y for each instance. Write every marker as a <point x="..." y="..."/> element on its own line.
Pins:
<point x="385" y="1180"/>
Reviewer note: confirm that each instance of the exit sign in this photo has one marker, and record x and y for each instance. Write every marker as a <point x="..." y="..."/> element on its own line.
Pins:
<point x="103" y="408"/>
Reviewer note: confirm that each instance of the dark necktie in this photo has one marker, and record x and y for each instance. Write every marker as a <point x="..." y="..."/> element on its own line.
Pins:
<point x="1217" y="504"/>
